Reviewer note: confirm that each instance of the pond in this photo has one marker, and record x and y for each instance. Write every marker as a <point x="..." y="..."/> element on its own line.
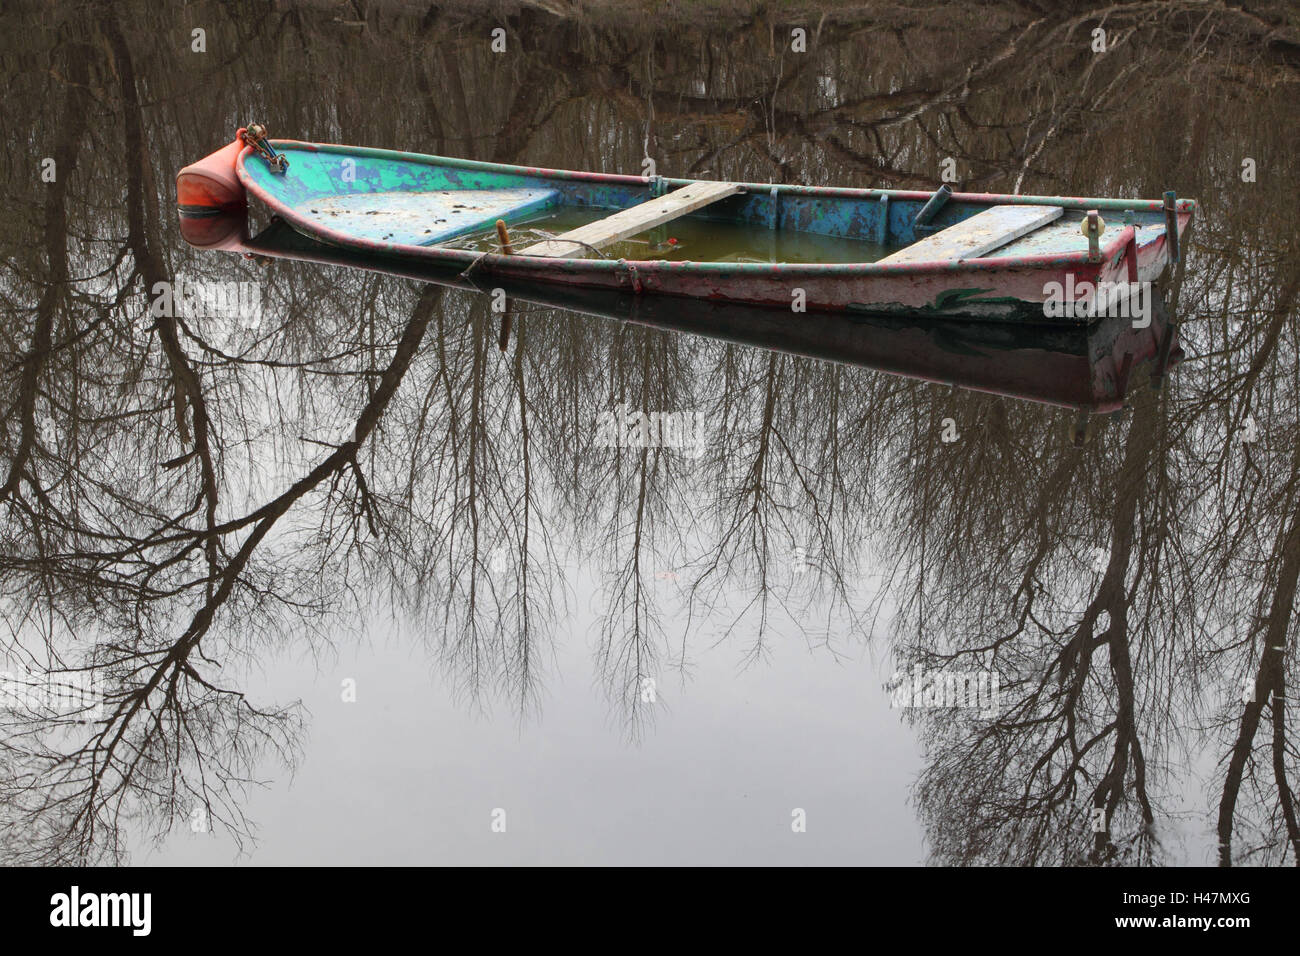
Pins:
<point x="306" y="569"/>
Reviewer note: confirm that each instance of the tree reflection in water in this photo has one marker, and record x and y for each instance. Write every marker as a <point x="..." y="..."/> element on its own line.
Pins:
<point x="181" y="494"/>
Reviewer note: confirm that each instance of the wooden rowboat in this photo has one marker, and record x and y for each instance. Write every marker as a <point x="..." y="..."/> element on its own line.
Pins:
<point x="815" y="248"/>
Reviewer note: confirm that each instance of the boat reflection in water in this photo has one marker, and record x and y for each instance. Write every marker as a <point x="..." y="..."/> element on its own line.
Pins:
<point x="1089" y="368"/>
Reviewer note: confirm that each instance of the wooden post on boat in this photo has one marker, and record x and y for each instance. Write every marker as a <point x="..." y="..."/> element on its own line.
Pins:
<point x="505" y="238"/>
<point x="504" y="339"/>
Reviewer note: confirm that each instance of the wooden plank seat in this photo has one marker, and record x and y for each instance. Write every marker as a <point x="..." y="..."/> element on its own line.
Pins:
<point x="631" y="221"/>
<point x="979" y="235"/>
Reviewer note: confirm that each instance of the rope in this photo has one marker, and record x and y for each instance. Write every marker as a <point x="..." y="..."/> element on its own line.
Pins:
<point x="254" y="135"/>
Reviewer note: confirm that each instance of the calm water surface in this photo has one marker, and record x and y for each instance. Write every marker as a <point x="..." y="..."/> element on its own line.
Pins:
<point x="356" y="586"/>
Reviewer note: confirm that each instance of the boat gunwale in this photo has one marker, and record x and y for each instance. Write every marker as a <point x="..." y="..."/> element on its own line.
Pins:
<point x="578" y="265"/>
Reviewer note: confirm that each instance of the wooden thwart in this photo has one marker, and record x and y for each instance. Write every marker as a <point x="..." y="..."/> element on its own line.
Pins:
<point x="631" y="221"/>
<point x="982" y="233"/>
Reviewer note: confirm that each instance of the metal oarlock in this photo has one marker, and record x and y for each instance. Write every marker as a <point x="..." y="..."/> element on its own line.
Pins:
<point x="255" y="136"/>
<point x="931" y="208"/>
<point x="1093" y="227"/>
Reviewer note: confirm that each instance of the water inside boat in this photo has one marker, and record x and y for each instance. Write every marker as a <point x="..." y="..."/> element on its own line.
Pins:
<point x="686" y="239"/>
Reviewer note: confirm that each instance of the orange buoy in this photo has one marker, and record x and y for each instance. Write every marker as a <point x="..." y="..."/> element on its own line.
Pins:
<point x="211" y="183"/>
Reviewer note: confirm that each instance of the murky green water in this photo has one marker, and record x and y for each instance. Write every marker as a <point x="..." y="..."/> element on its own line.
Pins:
<point x="695" y="240"/>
